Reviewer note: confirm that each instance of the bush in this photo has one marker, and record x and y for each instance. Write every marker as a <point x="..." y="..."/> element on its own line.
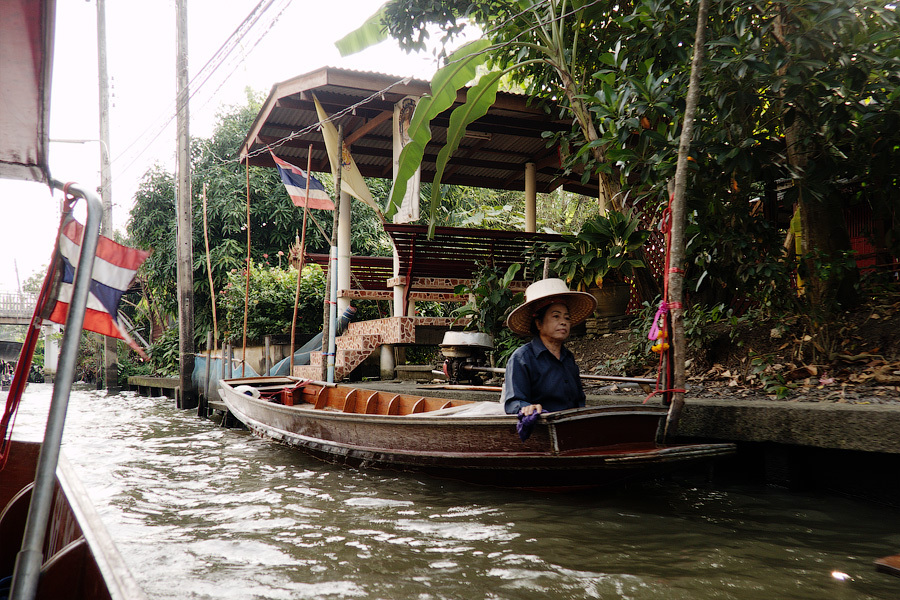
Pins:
<point x="271" y="301"/>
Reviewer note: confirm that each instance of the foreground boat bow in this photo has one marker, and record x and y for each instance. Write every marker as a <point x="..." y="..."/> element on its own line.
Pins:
<point x="460" y="439"/>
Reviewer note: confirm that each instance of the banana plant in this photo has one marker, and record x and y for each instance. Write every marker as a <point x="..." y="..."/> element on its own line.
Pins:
<point x="556" y="28"/>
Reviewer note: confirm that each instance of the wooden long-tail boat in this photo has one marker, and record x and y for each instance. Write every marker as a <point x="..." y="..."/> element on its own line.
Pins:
<point x="460" y="439"/>
<point x="80" y="560"/>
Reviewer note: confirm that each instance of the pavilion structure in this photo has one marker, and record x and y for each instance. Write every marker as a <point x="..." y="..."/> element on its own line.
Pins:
<point x="507" y="149"/>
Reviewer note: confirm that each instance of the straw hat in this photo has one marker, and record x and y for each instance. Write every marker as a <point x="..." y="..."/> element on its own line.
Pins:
<point x="545" y="292"/>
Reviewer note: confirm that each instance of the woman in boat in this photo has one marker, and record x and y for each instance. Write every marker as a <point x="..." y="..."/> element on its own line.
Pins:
<point x="542" y="374"/>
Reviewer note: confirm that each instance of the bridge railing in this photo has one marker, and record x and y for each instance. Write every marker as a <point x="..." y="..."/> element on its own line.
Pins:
<point x="14" y="305"/>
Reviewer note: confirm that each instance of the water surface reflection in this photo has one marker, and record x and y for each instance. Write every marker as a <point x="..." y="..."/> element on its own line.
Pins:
<point x="203" y="512"/>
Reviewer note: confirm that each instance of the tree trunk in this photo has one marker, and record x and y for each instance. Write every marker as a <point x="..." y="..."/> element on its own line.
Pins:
<point x="823" y="227"/>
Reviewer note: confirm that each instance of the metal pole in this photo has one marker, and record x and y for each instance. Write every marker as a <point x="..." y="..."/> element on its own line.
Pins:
<point x="332" y="263"/>
<point x="29" y="559"/>
<point x="185" y="272"/>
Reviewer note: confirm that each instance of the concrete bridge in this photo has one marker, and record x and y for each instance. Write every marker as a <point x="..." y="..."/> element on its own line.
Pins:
<point x="16" y="309"/>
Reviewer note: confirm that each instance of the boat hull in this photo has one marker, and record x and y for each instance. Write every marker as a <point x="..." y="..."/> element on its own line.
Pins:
<point x="579" y="448"/>
<point x="80" y="560"/>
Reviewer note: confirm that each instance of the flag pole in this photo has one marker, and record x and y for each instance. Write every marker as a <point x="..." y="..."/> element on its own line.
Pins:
<point x="302" y="253"/>
<point x="247" y="286"/>
<point x="331" y="292"/>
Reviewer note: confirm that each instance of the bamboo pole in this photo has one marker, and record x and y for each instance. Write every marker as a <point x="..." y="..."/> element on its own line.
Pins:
<point x="674" y="270"/>
<point x="247" y="286"/>
<point x="212" y="290"/>
<point x="302" y="256"/>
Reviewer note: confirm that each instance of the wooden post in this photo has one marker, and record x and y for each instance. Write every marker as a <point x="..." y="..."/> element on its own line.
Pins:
<point x="203" y="403"/>
<point x="530" y="197"/>
<point x="267" y="362"/>
<point x="675" y="271"/>
<point x="185" y="275"/>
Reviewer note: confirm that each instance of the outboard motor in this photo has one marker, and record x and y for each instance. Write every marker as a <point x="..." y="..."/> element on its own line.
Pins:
<point x="462" y="349"/>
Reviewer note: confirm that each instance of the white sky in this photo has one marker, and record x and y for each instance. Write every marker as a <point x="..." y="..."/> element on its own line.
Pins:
<point x="141" y="65"/>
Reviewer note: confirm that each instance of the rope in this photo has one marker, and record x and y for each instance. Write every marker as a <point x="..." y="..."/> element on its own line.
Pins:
<point x="659" y="332"/>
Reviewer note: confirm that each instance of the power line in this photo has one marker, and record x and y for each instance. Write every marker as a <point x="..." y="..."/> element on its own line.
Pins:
<point x="207" y="71"/>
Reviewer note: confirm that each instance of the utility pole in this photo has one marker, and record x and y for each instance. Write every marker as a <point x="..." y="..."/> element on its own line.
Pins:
<point x="110" y="359"/>
<point x="185" y="236"/>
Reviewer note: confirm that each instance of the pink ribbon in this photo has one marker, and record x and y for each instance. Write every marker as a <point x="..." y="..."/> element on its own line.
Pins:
<point x="659" y="318"/>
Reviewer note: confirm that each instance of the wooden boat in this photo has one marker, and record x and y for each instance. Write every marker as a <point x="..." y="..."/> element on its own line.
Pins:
<point x="460" y="439"/>
<point x="52" y="544"/>
<point x="79" y="558"/>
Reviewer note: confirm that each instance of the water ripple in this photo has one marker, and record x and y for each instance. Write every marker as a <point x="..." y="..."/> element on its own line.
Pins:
<point x="201" y="512"/>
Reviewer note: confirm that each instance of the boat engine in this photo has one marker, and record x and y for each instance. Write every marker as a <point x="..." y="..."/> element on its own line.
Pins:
<point x="463" y="349"/>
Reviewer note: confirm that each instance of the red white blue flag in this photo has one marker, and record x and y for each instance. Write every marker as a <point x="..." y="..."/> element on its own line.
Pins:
<point x="295" y="180"/>
<point x="114" y="269"/>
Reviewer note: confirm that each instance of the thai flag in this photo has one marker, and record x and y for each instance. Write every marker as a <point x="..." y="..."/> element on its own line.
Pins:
<point x="114" y="269"/>
<point x="294" y="180"/>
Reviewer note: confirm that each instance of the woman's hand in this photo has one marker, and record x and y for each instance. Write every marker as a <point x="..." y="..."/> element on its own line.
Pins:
<point x="527" y="410"/>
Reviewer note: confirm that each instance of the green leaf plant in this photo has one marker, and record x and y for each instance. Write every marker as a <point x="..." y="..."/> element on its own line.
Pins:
<point x="605" y="248"/>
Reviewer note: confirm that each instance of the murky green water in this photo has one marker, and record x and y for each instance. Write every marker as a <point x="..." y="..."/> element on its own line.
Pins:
<point x="203" y="512"/>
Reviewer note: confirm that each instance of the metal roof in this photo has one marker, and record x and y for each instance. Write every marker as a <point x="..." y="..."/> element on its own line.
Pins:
<point x="492" y="155"/>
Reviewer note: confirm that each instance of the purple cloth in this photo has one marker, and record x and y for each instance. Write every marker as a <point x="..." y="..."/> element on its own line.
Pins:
<point x="526" y="424"/>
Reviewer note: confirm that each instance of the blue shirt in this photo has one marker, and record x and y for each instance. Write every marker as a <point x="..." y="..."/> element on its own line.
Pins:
<point x="535" y="376"/>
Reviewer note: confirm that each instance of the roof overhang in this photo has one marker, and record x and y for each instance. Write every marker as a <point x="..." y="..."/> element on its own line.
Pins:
<point x="492" y="155"/>
<point x="26" y="60"/>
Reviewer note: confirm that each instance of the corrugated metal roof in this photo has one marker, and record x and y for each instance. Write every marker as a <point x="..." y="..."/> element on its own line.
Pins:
<point x="492" y="155"/>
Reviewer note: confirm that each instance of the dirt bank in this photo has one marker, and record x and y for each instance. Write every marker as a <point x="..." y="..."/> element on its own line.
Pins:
<point x="854" y="358"/>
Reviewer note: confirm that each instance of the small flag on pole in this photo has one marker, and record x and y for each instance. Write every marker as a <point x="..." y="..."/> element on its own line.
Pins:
<point x="114" y="269"/>
<point x="294" y="180"/>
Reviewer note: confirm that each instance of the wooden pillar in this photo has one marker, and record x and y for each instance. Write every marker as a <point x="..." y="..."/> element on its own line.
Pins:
<point x="530" y="197"/>
<point x="343" y="243"/>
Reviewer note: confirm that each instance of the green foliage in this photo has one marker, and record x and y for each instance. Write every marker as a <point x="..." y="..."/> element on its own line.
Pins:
<point x="444" y="86"/>
<point x="605" y="246"/>
<point x="271" y="301"/>
<point x="805" y="92"/>
<point x="771" y="380"/>
<point x="492" y="299"/>
<point x="275" y="223"/>
<point x="164" y="354"/>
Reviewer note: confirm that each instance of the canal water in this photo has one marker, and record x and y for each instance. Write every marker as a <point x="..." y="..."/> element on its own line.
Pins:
<point x="201" y="512"/>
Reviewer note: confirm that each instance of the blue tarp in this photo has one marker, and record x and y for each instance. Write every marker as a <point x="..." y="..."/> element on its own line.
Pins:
<point x="301" y="357"/>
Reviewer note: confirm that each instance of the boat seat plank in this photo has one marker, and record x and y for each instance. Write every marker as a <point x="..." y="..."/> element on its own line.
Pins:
<point x="322" y="398"/>
<point x="12" y="529"/>
<point x="349" y="404"/>
<point x="371" y="404"/>
<point x="66" y="574"/>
